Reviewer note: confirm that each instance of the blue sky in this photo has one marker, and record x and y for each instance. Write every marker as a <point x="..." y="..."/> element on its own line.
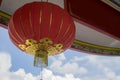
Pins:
<point x="70" y="65"/>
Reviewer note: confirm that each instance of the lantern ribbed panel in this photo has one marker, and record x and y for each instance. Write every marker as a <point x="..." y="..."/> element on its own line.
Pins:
<point x="39" y="20"/>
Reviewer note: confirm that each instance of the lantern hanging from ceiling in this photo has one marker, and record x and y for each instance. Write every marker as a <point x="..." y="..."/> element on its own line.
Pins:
<point x="41" y="29"/>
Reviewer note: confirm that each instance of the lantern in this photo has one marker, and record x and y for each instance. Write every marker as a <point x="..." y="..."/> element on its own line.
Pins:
<point x="41" y="29"/>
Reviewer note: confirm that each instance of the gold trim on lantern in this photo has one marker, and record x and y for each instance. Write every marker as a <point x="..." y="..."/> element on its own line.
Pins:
<point x="51" y="18"/>
<point x="16" y="31"/>
<point x="69" y="37"/>
<point x="51" y="14"/>
<point x="66" y="31"/>
<point x="22" y="26"/>
<point x="60" y="27"/>
<point x="14" y="38"/>
<point x="31" y="25"/>
<point x="31" y="46"/>
<point x="41" y="13"/>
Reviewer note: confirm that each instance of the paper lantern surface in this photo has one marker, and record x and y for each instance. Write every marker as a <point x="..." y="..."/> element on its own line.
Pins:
<point x="41" y="26"/>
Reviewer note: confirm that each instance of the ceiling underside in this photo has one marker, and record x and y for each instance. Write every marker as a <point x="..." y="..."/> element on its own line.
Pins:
<point x="83" y="32"/>
<point x="96" y="13"/>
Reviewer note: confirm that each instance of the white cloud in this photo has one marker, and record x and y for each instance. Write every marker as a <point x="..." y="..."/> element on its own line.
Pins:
<point x="89" y="58"/>
<point x="48" y="75"/>
<point x="61" y="57"/>
<point x="5" y="74"/>
<point x="105" y="64"/>
<point x="5" y="63"/>
<point x="95" y="67"/>
<point x="68" y="68"/>
<point x="109" y="73"/>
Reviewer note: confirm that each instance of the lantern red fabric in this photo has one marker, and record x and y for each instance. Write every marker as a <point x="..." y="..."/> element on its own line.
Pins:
<point x="41" y="20"/>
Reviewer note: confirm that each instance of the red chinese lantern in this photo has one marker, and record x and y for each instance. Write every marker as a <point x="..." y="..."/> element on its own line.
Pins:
<point x="41" y="29"/>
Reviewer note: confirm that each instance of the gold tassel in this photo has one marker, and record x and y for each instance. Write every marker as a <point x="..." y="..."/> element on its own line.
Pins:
<point x="41" y="58"/>
<point x="41" y="50"/>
